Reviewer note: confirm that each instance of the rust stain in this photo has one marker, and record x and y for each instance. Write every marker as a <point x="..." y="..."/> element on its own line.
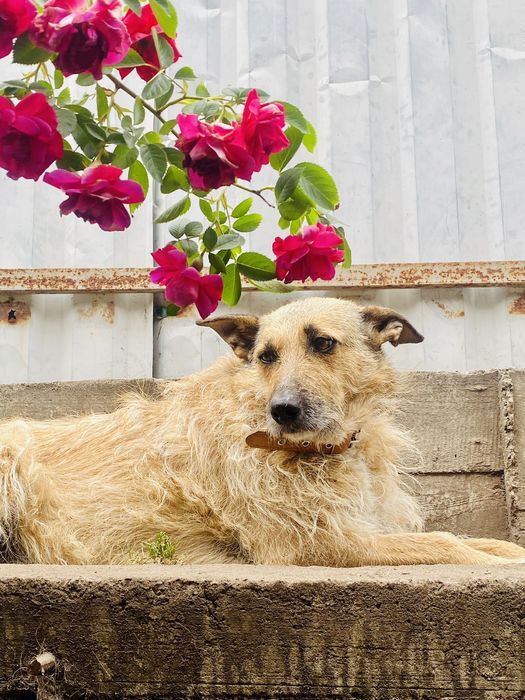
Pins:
<point x="518" y="305"/>
<point x="13" y="312"/>
<point x="449" y="313"/>
<point x="104" y="309"/>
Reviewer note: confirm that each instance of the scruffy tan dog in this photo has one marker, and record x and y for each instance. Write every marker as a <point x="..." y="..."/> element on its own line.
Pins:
<point x="317" y="483"/>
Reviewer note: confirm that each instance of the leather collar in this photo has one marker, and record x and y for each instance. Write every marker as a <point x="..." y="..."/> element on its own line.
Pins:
<point x="264" y="441"/>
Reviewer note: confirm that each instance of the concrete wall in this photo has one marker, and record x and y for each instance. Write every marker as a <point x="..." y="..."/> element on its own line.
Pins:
<point x="470" y="429"/>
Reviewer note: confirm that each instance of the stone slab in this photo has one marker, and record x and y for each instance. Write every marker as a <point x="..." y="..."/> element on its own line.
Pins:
<point x="155" y="632"/>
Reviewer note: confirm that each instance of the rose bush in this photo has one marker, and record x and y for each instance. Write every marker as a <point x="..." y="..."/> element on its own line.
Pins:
<point x="110" y="142"/>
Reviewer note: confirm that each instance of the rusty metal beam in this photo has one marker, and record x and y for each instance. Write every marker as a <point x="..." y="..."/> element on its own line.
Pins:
<point x="509" y="273"/>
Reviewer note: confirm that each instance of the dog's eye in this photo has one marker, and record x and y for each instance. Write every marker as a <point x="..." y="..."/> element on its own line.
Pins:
<point x="323" y="343"/>
<point x="267" y="357"/>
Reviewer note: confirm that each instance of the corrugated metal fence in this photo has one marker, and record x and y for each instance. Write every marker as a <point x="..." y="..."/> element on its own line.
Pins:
<point x="420" y="109"/>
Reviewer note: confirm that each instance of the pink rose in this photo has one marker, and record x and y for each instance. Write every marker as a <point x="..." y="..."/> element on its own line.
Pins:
<point x="15" y="18"/>
<point x="184" y="285"/>
<point x="97" y="195"/>
<point x="312" y="253"/>
<point x="262" y="128"/>
<point x="85" y="38"/>
<point x="29" y="139"/>
<point x="215" y="153"/>
<point x="139" y="29"/>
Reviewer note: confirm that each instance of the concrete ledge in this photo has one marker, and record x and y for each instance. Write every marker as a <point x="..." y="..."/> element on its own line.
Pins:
<point x="265" y="632"/>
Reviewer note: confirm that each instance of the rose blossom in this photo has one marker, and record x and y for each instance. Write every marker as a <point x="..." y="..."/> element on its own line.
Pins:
<point x="15" y="18"/>
<point x="29" y="140"/>
<point x="262" y="128"/>
<point x="215" y="153"/>
<point x="97" y="195"/>
<point x="184" y="285"/>
<point x="139" y="29"/>
<point x="311" y="253"/>
<point x="85" y="38"/>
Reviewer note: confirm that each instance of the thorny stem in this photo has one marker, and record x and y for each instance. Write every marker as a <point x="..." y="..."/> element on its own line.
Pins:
<point x="256" y="192"/>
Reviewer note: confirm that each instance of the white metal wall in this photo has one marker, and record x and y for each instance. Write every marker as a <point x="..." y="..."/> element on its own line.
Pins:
<point x="420" y="110"/>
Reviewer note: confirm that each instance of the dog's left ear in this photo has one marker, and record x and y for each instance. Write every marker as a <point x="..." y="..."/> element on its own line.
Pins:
<point x="238" y="331"/>
<point x="386" y="325"/>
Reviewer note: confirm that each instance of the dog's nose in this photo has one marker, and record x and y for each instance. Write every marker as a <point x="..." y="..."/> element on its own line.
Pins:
<point x="285" y="413"/>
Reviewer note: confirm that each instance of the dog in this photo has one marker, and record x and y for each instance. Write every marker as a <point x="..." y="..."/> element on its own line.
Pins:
<point x="285" y="452"/>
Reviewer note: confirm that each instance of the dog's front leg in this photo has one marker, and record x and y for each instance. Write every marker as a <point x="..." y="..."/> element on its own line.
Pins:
<point x="418" y="548"/>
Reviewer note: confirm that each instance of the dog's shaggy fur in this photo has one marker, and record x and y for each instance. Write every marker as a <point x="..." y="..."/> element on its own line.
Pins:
<point x="91" y="489"/>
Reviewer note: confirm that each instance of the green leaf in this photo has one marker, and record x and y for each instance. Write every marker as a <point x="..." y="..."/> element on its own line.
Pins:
<point x="242" y="208"/>
<point x="232" y="285"/>
<point x="216" y="262"/>
<point x="286" y="184"/>
<point x="67" y="121"/>
<point x="154" y="158"/>
<point x="281" y="159"/>
<point x="139" y="113"/>
<point x="294" y="117"/>
<point x="138" y="173"/>
<point x="134" y="5"/>
<point x="163" y="48"/>
<point x="204" y="108"/>
<point x="183" y="227"/>
<point x="42" y="86"/>
<point x="27" y="53"/>
<point x="124" y="157"/>
<point x="193" y="229"/>
<point x="85" y="79"/>
<point x="185" y="73"/>
<point x="228" y="241"/>
<point x="167" y="127"/>
<point x="73" y="160"/>
<point x="131" y="60"/>
<point x="58" y="79"/>
<point x="166" y="16"/>
<point x="295" y="206"/>
<point x="102" y="103"/>
<point x="162" y="101"/>
<point x="347" y="260"/>
<point x="319" y="185"/>
<point x="189" y="247"/>
<point x="174" y="179"/>
<point x="206" y="209"/>
<point x="312" y="217"/>
<point x="178" y="209"/>
<point x="156" y="87"/>
<point x="256" y="266"/>
<point x="310" y="139"/>
<point x="202" y="91"/>
<point x="247" y="223"/>
<point x="209" y="239"/>
<point x="175" y="157"/>
<point x="64" y="97"/>
<point x="274" y="286"/>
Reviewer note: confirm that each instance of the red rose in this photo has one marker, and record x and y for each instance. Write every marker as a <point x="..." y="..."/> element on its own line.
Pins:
<point x="311" y="253"/>
<point x="262" y="128"/>
<point x="139" y="29"/>
<point x="15" y="18"/>
<point x="184" y="285"/>
<point x="97" y="195"/>
<point x="29" y="140"/>
<point x="85" y="38"/>
<point x="215" y="153"/>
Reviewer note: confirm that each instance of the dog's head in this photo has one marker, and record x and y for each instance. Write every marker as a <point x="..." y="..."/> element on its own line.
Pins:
<point x="312" y="358"/>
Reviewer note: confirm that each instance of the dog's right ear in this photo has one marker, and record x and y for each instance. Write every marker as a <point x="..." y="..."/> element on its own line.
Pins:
<point x="238" y="331"/>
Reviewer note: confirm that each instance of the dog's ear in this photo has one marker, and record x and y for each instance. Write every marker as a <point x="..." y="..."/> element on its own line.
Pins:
<point x="386" y="325"/>
<point x="238" y="331"/>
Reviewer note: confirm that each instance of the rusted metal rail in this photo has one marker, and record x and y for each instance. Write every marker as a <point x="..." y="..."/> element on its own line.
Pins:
<point x="509" y="273"/>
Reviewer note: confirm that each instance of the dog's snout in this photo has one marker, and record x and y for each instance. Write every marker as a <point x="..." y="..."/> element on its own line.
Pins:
<point x="285" y="412"/>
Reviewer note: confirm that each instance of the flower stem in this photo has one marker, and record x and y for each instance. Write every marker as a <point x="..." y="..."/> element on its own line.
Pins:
<point x="256" y="192"/>
<point x="121" y="86"/>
